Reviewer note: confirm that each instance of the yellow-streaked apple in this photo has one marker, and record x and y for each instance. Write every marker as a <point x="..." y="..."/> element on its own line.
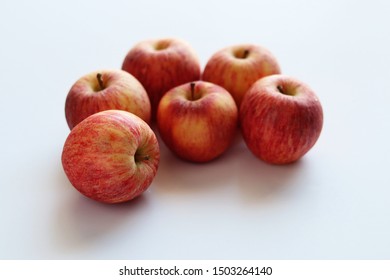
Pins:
<point x="111" y="89"/>
<point x="281" y="119"/>
<point x="237" y="67"/>
<point x="111" y="156"/>
<point x="197" y="120"/>
<point x="162" y="64"/>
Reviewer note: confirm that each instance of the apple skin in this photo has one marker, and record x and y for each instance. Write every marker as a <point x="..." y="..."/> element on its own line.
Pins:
<point x="161" y="65"/>
<point x="277" y="127"/>
<point x="111" y="156"/>
<point x="197" y="121"/>
<point x="121" y="91"/>
<point x="237" y="67"/>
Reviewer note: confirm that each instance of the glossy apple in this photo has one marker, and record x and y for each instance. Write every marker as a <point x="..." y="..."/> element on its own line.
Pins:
<point x="161" y="65"/>
<point x="237" y="67"/>
<point x="281" y="119"/>
<point x="197" y="120"/>
<point x="106" y="90"/>
<point x="111" y="156"/>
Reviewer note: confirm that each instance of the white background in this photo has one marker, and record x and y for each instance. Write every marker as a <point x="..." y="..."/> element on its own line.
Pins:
<point x="333" y="204"/>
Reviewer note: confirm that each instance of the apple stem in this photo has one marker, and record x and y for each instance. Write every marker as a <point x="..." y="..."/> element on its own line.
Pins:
<point x="281" y="89"/>
<point x="192" y="85"/>
<point x="139" y="158"/>
<point x="246" y="53"/>
<point x="100" y="80"/>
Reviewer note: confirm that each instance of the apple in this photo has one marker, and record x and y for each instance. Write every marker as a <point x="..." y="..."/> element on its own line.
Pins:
<point x="281" y="119"/>
<point x="106" y="90"/>
<point x="237" y="67"/>
<point x="161" y="65"/>
<point x="111" y="156"/>
<point x="197" y="121"/>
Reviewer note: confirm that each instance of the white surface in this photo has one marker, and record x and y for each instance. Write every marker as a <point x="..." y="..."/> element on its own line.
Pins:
<point x="333" y="204"/>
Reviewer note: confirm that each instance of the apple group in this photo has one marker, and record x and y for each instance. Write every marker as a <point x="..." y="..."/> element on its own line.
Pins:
<point x="112" y="153"/>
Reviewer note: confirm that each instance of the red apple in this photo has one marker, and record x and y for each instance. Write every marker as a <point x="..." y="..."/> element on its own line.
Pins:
<point x="281" y="119"/>
<point x="105" y="90"/>
<point x="161" y="65"/>
<point x="197" y="120"/>
<point x="236" y="68"/>
<point x="111" y="156"/>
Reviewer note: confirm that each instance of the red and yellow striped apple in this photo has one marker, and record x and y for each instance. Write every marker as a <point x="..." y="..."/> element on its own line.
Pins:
<point x="197" y="120"/>
<point x="111" y="156"/>
<point x="162" y="64"/>
<point x="237" y="67"/>
<point x="106" y="90"/>
<point x="281" y="119"/>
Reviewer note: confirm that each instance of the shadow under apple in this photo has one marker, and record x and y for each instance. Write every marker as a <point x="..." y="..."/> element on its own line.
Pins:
<point x="255" y="181"/>
<point x="180" y="177"/>
<point x="81" y="223"/>
<point x="260" y="182"/>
